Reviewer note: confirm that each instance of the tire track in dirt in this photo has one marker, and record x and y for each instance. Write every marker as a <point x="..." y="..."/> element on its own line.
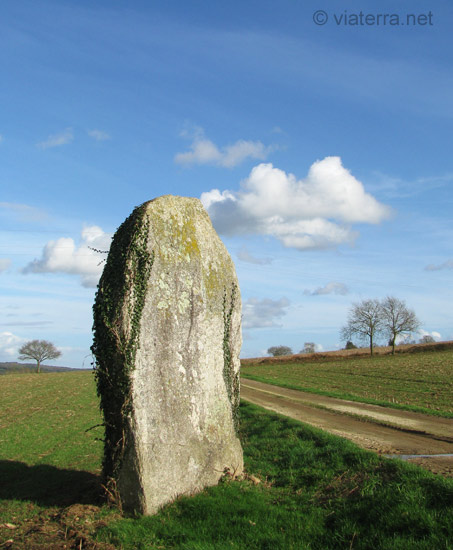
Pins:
<point x="390" y="431"/>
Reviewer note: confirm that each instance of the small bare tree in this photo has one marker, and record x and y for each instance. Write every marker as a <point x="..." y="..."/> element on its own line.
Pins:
<point x="278" y="351"/>
<point x="427" y="339"/>
<point x="309" y="347"/>
<point x="39" y="350"/>
<point x="365" y="321"/>
<point x="397" y="319"/>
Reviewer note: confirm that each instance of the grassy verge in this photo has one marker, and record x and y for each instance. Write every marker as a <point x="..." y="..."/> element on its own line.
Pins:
<point x="421" y="382"/>
<point x="317" y="491"/>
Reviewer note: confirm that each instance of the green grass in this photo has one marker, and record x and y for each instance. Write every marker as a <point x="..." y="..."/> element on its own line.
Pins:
<point x="44" y="418"/>
<point x="317" y="491"/>
<point x="47" y="458"/>
<point x="419" y="382"/>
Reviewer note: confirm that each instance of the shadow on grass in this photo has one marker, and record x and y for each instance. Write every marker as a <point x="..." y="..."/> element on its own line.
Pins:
<point x="47" y="485"/>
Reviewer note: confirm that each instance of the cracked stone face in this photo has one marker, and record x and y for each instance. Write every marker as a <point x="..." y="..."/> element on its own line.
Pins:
<point x="185" y="381"/>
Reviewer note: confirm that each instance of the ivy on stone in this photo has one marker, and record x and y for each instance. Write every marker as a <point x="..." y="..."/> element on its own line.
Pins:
<point x="231" y="378"/>
<point x="120" y="296"/>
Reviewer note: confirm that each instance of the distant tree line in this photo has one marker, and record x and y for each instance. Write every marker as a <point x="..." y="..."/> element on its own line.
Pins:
<point x="277" y="351"/>
<point x="371" y="319"/>
<point x="368" y="321"/>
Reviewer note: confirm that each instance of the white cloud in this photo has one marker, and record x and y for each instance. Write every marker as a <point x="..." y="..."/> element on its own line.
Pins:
<point x="330" y="288"/>
<point x="63" y="256"/>
<point x="4" y="264"/>
<point x="448" y="264"/>
<point x="99" y="135"/>
<point x="56" y="140"/>
<point x="26" y="324"/>
<point x="9" y="346"/>
<point x="23" y="212"/>
<point x="245" y="256"/>
<point x="315" y="212"/>
<point x="262" y="313"/>
<point x="204" y="151"/>
<point x="215" y="196"/>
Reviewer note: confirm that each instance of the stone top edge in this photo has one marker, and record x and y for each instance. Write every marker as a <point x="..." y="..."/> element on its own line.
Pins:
<point x="173" y="198"/>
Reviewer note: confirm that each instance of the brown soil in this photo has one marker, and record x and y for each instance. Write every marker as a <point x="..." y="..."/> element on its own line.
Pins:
<point x="380" y="429"/>
<point x="70" y="528"/>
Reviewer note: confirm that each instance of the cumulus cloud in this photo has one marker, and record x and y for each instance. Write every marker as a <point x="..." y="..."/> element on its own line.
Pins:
<point x="204" y="151"/>
<point x="4" y="264"/>
<point x="448" y="264"/>
<point x="263" y="313"/>
<point x="64" y="256"/>
<point x="213" y="197"/>
<point x="56" y="140"/>
<point x="99" y="135"/>
<point x="245" y="256"/>
<point x="9" y="345"/>
<point x="330" y="288"/>
<point x="312" y="213"/>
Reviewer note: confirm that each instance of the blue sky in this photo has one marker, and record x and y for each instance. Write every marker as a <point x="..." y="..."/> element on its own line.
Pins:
<point x="322" y="153"/>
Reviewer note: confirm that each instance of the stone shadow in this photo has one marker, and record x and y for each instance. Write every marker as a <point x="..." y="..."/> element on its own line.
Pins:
<point x="48" y="485"/>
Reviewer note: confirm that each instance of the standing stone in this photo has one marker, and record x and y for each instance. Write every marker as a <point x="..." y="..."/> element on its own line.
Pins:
<point x="167" y="337"/>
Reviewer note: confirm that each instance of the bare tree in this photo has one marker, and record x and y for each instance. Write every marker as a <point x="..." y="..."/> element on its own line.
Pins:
<point x="350" y="345"/>
<point x="364" y="321"/>
<point x="39" y="350"/>
<point x="427" y="339"/>
<point x="397" y="319"/>
<point x="309" y="347"/>
<point x="277" y="351"/>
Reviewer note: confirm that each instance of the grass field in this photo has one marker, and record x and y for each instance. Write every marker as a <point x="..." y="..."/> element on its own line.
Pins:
<point x="316" y="491"/>
<point x="416" y="381"/>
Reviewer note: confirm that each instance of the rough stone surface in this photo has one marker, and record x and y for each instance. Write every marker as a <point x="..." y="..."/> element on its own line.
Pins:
<point x="180" y="428"/>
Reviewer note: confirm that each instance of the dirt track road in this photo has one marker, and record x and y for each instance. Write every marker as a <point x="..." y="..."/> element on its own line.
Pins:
<point x="381" y="429"/>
